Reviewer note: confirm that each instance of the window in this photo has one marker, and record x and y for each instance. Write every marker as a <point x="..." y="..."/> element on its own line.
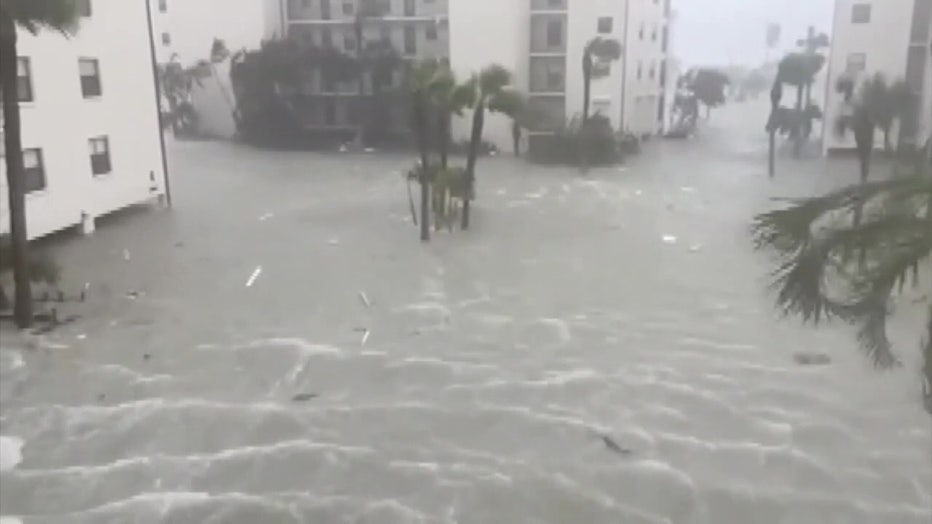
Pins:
<point x="348" y="8"/>
<point x="554" y="33"/>
<point x="349" y="41"/>
<point x="431" y="31"/>
<point x="82" y="8"/>
<point x="330" y="112"/>
<point x="166" y="39"/>
<point x="326" y="37"/>
<point x="652" y="71"/>
<point x="555" y="79"/>
<point x="663" y="73"/>
<point x="641" y="32"/>
<point x="325" y="9"/>
<point x="99" y="149"/>
<point x="857" y="62"/>
<point x="653" y="34"/>
<point x="555" y="4"/>
<point x="163" y="6"/>
<point x="640" y="70"/>
<point x="665" y="39"/>
<point x="89" y="68"/>
<point x="24" y="79"/>
<point x="410" y="40"/>
<point x="33" y="170"/>
<point x="409" y="7"/>
<point x="385" y="33"/>
<point x="860" y="13"/>
<point x="605" y="24"/>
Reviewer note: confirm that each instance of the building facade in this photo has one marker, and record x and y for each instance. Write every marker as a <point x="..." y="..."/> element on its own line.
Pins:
<point x="543" y="41"/>
<point x="890" y="37"/>
<point x="90" y="124"/>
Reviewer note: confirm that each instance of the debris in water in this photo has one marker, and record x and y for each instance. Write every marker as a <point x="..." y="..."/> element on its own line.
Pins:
<point x="101" y="397"/>
<point x="613" y="446"/>
<point x="688" y="189"/>
<point x="126" y="255"/>
<point x="334" y="241"/>
<point x="304" y="397"/>
<point x="255" y="274"/>
<point x="146" y="356"/>
<point x="369" y="150"/>
<point x="622" y="169"/>
<point x="669" y="239"/>
<point x="638" y="192"/>
<point x="81" y="336"/>
<point x="266" y="216"/>
<point x="133" y="295"/>
<point x="364" y="299"/>
<point x="365" y="337"/>
<point x="695" y="248"/>
<point x="811" y="359"/>
<point x="344" y="148"/>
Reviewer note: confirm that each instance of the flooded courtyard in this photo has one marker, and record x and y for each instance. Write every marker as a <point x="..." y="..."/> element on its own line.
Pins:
<point x="280" y="347"/>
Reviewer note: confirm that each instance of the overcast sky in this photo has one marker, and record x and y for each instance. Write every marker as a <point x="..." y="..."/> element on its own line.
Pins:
<point x="719" y="32"/>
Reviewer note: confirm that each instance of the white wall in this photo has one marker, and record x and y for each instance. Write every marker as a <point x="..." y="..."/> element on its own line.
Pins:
<point x="472" y="47"/>
<point x="642" y="95"/>
<point x="582" y="26"/>
<point x="60" y="120"/>
<point x="884" y="41"/>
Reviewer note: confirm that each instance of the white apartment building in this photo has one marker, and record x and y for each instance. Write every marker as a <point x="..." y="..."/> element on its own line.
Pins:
<point x="90" y="124"/>
<point x="892" y="37"/>
<point x="542" y="42"/>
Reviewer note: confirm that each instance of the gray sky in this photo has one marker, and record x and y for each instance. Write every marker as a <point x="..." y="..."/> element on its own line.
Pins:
<point x="718" y="32"/>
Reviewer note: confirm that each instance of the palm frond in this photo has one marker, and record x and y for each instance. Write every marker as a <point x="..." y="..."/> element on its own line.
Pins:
<point x="508" y="102"/>
<point x="927" y="364"/>
<point x="494" y="78"/>
<point x="604" y="49"/>
<point x="37" y="15"/>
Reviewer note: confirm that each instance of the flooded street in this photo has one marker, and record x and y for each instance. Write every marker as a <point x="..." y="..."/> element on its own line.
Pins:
<point x="279" y="347"/>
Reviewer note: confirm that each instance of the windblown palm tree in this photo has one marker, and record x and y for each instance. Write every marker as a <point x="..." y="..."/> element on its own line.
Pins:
<point x="818" y="278"/>
<point x="799" y="70"/>
<point x="598" y="55"/>
<point x="491" y="92"/>
<point x="886" y="104"/>
<point x="422" y="83"/>
<point x="33" y="16"/>
<point x="451" y="98"/>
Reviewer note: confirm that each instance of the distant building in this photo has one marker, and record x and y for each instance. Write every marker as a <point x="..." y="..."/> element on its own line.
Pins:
<point x="542" y="42"/>
<point x="892" y="37"/>
<point x="90" y="123"/>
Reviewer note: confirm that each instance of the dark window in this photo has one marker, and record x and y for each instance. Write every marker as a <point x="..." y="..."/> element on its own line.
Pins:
<point x="555" y="4"/>
<point x="89" y="69"/>
<point x="660" y="110"/>
<point x="385" y="33"/>
<point x="860" y="13"/>
<point x="641" y="32"/>
<point x="349" y="42"/>
<point x="665" y="39"/>
<point x="348" y="8"/>
<point x="163" y="6"/>
<point x="605" y="24"/>
<point x="33" y="170"/>
<point x="653" y="34"/>
<point x="652" y="71"/>
<point x="640" y="70"/>
<point x="431" y="32"/>
<point x="409" y="8"/>
<point x="82" y="8"/>
<point x="410" y="41"/>
<point x="24" y="79"/>
<point x="325" y="9"/>
<point x="663" y="73"/>
<point x="554" y="33"/>
<point x="326" y="37"/>
<point x="166" y="39"/>
<point x="100" y="155"/>
<point x="330" y="112"/>
<point x="555" y="79"/>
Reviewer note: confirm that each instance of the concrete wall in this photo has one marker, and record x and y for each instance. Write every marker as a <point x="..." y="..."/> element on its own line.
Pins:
<point x="470" y="52"/>
<point x="643" y="92"/>
<point x="60" y="120"/>
<point x="884" y="42"/>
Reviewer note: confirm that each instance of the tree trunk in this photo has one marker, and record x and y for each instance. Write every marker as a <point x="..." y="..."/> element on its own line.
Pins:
<point x="887" y="146"/>
<point x="420" y="129"/>
<point x="798" y="123"/>
<point x="771" y="153"/>
<point x="587" y="86"/>
<point x="478" y="120"/>
<point x="19" y="246"/>
<point x="443" y="122"/>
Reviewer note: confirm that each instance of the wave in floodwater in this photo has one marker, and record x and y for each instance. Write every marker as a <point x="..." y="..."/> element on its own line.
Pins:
<point x="704" y="431"/>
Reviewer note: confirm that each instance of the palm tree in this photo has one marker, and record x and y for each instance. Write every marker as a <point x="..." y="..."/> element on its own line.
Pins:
<point x="886" y="103"/>
<point x="451" y="98"/>
<point x="598" y="55"/>
<point x="33" y="16"/>
<point x="490" y="91"/>
<point x="799" y="70"/>
<point x="422" y="81"/>
<point x="816" y="277"/>
<point x="776" y="93"/>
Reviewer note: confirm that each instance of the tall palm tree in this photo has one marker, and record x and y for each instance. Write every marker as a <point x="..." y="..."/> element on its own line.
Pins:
<point x="491" y="92"/>
<point x="598" y="55"/>
<point x="422" y="84"/>
<point x="799" y="70"/>
<point x="776" y="94"/>
<point x="886" y="103"/>
<point x="33" y="16"/>
<point x="817" y="278"/>
<point x="451" y="99"/>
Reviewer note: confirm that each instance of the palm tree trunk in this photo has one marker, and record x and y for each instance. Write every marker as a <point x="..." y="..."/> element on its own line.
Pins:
<point x="587" y="85"/>
<point x="478" y="121"/>
<point x="421" y="124"/>
<point x="444" y="145"/>
<point x="771" y="152"/>
<point x="798" y="124"/>
<point x="22" y="294"/>
<point x="887" y="146"/>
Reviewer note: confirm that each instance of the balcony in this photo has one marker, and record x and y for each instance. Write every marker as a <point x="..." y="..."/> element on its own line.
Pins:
<point x="549" y="6"/>
<point x="322" y="12"/>
<point x="548" y="34"/>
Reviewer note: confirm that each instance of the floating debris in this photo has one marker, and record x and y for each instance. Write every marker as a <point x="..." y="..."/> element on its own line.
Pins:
<point x="688" y="189"/>
<point x="695" y="248"/>
<point x="811" y="359"/>
<point x="334" y="242"/>
<point x="266" y="216"/>
<point x="669" y="239"/>
<point x="622" y="169"/>
<point x="365" y="337"/>
<point x="126" y="254"/>
<point x="638" y="192"/>
<point x="304" y="397"/>
<point x="146" y="356"/>
<point x="364" y="299"/>
<point x="81" y="336"/>
<point x="369" y="150"/>
<point x="255" y="274"/>
<point x="133" y="295"/>
<point x="613" y="446"/>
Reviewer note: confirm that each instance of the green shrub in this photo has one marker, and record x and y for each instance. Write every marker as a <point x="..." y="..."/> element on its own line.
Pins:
<point x="565" y="146"/>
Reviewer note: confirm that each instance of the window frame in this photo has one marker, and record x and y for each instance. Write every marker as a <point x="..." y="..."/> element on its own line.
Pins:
<point x="24" y="95"/>
<point x="101" y="162"/>
<point x="86" y="80"/>
<point x="37" y="170"/>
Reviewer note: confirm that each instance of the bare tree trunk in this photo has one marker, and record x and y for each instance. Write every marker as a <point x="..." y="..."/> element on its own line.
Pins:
<point x="19" y="245"/>
<point x="478" y="121"/>
<point x="421" y="124"/>
<point x="798" y="124"/>
<point x="771" y="153"/>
